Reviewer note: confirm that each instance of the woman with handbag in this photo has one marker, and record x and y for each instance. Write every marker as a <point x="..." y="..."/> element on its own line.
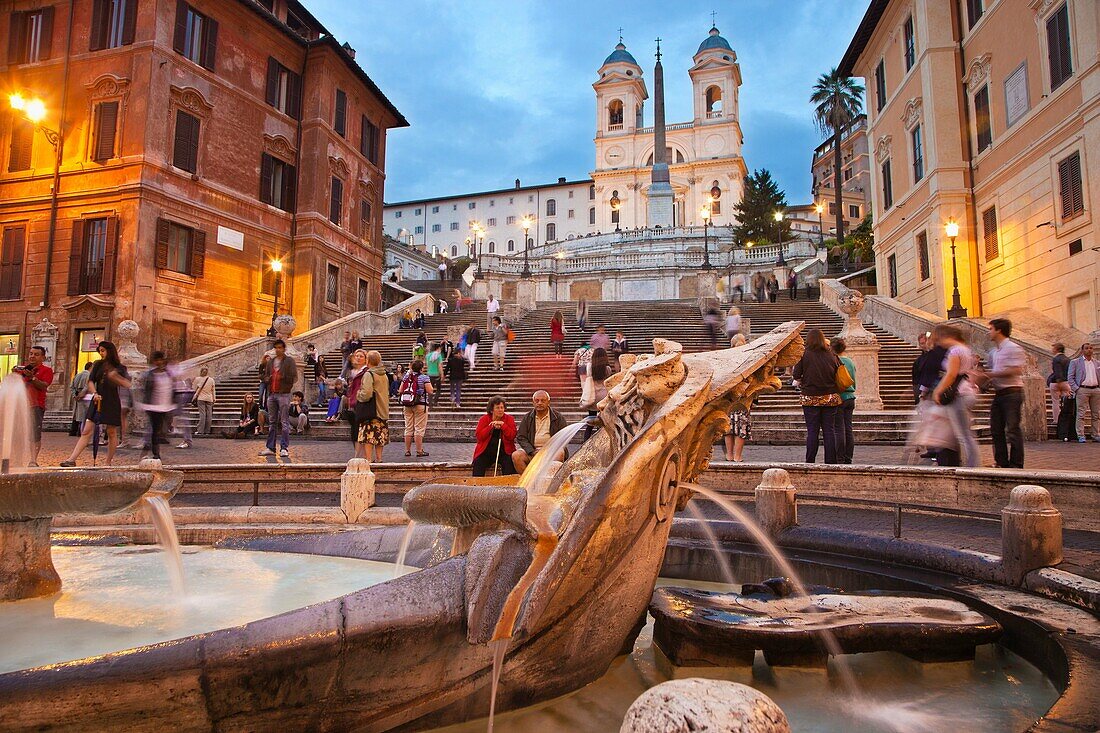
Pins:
<point x="845" y="435"/>
<point x="557" y="332"/>
<point x="372" y="408"/>
<point x="356" y="375"/>
<point x="593" y="387"/>
<point x="205" y="397"/>
<point x="957" y="392"/>
<point x="817" y="373"/>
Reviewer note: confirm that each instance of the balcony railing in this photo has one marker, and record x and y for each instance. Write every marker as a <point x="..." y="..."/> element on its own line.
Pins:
<point x="615" y="127"/>
<point x="714" y="114"/>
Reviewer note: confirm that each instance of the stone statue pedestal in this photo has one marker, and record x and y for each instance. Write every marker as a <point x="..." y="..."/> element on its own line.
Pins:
<point x="481" y="289"/>
<point x="863" y="349"/>
<point x="707" y="284"/>
<point x="527" y="290"/>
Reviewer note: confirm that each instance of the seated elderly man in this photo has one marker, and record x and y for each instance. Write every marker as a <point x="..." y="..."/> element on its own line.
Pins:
<point x="536" y="429"/>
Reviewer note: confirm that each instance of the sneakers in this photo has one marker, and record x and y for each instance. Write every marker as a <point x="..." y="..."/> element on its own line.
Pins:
<point x="267" y="452"/>
<point x="184" y="444"/>
<point x="67" y="464"/>
<point x="284" y="453"/>
<point x="1082" y="439"/>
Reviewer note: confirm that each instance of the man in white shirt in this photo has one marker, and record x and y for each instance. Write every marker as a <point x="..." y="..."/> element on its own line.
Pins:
<point x="1006" y="376"/>
<point x="1084" y="383"/>
<point x="491" y="309"/>
<point x="442" y="271"/>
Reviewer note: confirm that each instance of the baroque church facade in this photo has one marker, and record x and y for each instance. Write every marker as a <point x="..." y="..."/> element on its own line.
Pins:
<point x="703" y="155"/>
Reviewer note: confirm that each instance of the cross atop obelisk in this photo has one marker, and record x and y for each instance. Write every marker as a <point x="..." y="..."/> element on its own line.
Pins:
<point x="659" y="208"/>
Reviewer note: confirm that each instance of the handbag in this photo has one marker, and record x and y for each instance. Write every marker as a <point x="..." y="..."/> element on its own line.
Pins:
<point x="844" y="380"/>
<point x="952" y="390"/>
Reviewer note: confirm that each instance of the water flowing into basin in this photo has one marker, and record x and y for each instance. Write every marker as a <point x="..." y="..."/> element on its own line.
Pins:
<point x="16" y="448"/>
<point x="545" y="461"/>
<point x="161" y="517"/>
<point x="719" y="556"/>
<point x="403" y="550"/>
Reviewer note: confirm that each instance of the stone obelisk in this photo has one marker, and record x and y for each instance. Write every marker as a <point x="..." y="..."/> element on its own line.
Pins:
<point x="660" y="191"/>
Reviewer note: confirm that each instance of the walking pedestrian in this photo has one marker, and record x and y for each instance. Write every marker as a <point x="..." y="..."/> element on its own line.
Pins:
<point x="619" y="346"/>
<point x="37" y="377"/>
<point x="927" y="367"/>
<point x="1006" y="376"/>
<point x="458" y="300"/>
<point x="496" y="436"/>
<point x="739" y="287"/>
<point x="318" y="374"/>
<point x="491" y="308"/>
<point x="473" y="340"/>
<point x="278" y="373"/>
<point x="108" y="377"/>
<point x="594" y="389"/>
<point x="1084" y="382"/>
<point x="773" y="288"/>
<point x="711" y="320"/>
<point x="205" y="396"/>
<point x="78" y="388"/>
<point x="733" y="321"/>
<point x="740" y="432"/>
<point x="456" y="375"/>
<point x="433" y="365"/>
<point x="600" y="339"/>
<point x="816" y="374"/>
<point x="183" y="396"/>
<point x="413" y="395"/>
<point x="792" y="286"/>
<point x="373" y="401"/>
<point x="500" y="343"/>
<point x="557" y="332"/>
<point x="1058" y="381"/>
<point x="582" y="313"/>
<point x="442" y="271"/>
<point x="845" y="435"/>
<point x="957" y="391"/>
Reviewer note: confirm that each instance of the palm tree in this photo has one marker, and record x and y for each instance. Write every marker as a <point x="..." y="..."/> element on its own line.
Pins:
<point x="839" y="101"/>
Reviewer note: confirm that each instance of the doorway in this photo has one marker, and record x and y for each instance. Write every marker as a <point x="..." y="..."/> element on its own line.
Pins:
<point x="9" y="353"/>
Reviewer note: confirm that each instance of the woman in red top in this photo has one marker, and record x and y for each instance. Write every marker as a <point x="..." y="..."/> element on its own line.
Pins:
<point x="496" y="440"/>
<point x="557" y="332"/>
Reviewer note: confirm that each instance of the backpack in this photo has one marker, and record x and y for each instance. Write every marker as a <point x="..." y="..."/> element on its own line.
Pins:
<point x="408" y="395"/>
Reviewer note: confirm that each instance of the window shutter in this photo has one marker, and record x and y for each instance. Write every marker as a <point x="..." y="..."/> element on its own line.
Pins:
<point x="161" y="256"/>
<point x="11" y="263"/>
<point x="989" y="230"/>
<point x="129" y="23"/>
<point x="294" y="95"/>
<point x="97" y="38"/>
<point x="363" y="122"/>
<point x="210" y="43"/>
<point x="1071" y="188"/>
<point x="339" y="122"/>
<point x="272" y="82"/>
<point x="198" y="252"/>
<point x="22" y="145"/>
<point x="45" y="41"/>
<point x="110" y="250"/>
<point x="267" y="164"/>
<point x="185" y="148"/>
<point x="335" y="201"/>
<point x="17" y="34"/>
<point x="179" y="37"/>
<point x="76" y="257"/>
<point x="290" y="188"/>
<point x="106" y="126"/>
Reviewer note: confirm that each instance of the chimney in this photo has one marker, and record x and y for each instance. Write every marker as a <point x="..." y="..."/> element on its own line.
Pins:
<point x="347" y="47"/>
<point x="517" y="183"/>
<point x="561" y="179"/>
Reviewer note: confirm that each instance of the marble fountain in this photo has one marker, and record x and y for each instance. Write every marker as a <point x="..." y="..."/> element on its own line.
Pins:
<point x="533" y="593"/>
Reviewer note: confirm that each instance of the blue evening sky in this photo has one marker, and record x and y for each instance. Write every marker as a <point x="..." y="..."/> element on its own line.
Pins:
<point x="496" y="90"/>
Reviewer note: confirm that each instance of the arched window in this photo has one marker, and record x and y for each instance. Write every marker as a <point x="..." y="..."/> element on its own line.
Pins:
<point x="671" y="155"/>
<point x="615" y="204"/>
<point x="454" y="250"/>
<point x="551" y="232"/>
<point x="592" y="215"/>
<point x="551" y="207"/>
<point x="715" y="198"/>
<point x="714" y="101"/>
<point x="530" y="242"/>
<point x="492" y="247"/>
<point x="615" y="114"/>
<point x="592" y="192"/>
<point x="638" y="116"/>
<point x="511" y="245"/>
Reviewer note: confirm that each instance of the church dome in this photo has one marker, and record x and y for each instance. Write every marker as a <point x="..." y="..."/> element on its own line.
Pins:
<point x="620" y="55"/>
<point x="714" y="41"/>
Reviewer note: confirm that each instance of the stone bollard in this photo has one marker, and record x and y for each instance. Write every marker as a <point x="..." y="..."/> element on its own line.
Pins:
<point x="1031" y="533"/>
<point x="356" y="489"/>
<point x="716" y="706"/>
<point x="150" y="464"/>
<point x="775" y="504"/>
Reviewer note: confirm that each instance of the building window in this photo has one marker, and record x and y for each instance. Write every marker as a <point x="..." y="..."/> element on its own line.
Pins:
<point x="418" y="230"/>
<point x="847" y="175"/>
<point x="22" y="144"/>
<point x="472" y="205"/>
<point x="492" y="203"/>
<point x="887" y="187"/>
<point x="530" y="242"/>
<point x="989" y="233"/>
<point x="880" y="85"/>
<point x="592" y="215"/>
<point x="113" y="24"/>
<point x="180" y="248"/>
<point x="336" y="202"/>
<point x="332" y="285"/>
<point x="511" y="245"/>
<point x="29" y="36"/>
<point x="1075" y="247"/>
<point x="435" y="209"/>
<point x="530" y="198"/>
<point x="92" y="257"/>
<point x="910" y="44"/>
<point x="615" y="114"/>
<point x="196" y="35"/>
<point x="104" y="127"/>
<point x="492" y="222"/>
<point x="853" y="211"/>
<point x="832" y="208"/>
<point x="570" y="194"/>
<point x="418" y="212"/>
<point x="922" y="256"/>
<point x="981" y="118"/>
<point x="397" y="215"/>
<point x="492" y="247"/>
<point x="713" y="101"/>
<point x="340" y="115"/>
<point x="1070" y="187"/>
<point x="551" y="207"/>
<point x="454" y="250"/>
<point x="185" y="144"/>
<point x="362" y="295"/>
<point x="284" y="89"/>
<point x="454" y="226"/>
<point x="510" y="220"/>
<point x="370" y="140"/>
<point x="570" y="214"/>
<point x="277" y="183"/>
<point x="592" y="193"/>
<point x="974" y="11"/>
<point x="551" y="232"/>
<point x="11" y="263"/>
<point x="892" y="273"/>
<point x="437" y="227"/>
<point x="918" y="155"/>
<point x="1058" y="47"/>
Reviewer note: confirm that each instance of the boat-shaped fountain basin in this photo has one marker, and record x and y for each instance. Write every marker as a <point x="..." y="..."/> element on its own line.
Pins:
<point x="42" y="494"/>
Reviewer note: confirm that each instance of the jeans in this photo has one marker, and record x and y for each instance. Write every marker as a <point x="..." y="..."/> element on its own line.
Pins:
<point x="792" y="292"/>
<point x="437" y="384"/>
<point x="322" y="392"/>
<point x="157" y="423"/>
<point x="278" y="419"/>
<point x="456" y="391"/>
<point x="1004" y="424"/>
<point x="845" y="438"/>
<point x="825" y="420"/>
<point x="206" y="416"/>
<point x="959" y="413"/>
<point x="1088" y="400"/>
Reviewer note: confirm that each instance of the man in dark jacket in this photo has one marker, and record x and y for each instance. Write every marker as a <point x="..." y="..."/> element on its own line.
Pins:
<point x="535" y="430"/>
<point x="278" y="373"/>
<point x="927" y="367"/>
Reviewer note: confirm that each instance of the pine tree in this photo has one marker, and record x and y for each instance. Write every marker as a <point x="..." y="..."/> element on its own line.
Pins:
<point x="756" y="212"/>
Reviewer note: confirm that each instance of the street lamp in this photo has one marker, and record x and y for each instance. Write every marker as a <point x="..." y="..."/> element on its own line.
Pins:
<point x="778" y="216"/>
<point x="957" y="310"/>
<point x="705" y="213"/>
<point x="277" y="268"/>
<point x="616" y="204"/>
<point x="479" y="233"/>
<point x="819" y="208"/>
<point x="526" y="224"/>
<point x="33" y="109"/>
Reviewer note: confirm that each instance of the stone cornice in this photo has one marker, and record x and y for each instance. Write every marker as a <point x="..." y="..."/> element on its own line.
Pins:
<point x="191" y="100"/>
<point x="978" y="71"/>
<point x="279" y="146"/>
<point x="914" y="109"/>
<point x="883" y="148"/>
<point x="339" y="167"/>
<point x="108" y="86"/>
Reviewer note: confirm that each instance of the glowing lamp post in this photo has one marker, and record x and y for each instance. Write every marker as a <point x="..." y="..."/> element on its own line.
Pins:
<point x="526" y="223"/>
<point x="951" y="229"/>
<point x="778" y="216"/>
<point x="705" y="214"/>
<point x="277" y="269"/>
<point x="478" y="234"/>
<point x="819" y="208"/>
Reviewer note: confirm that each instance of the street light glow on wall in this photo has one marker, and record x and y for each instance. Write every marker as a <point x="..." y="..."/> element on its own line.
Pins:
<point x="951" y="229"/>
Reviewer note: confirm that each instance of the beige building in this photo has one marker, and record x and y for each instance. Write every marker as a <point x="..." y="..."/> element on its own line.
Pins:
<point x="985" y="113"/>
<point x="855" y="163"/>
